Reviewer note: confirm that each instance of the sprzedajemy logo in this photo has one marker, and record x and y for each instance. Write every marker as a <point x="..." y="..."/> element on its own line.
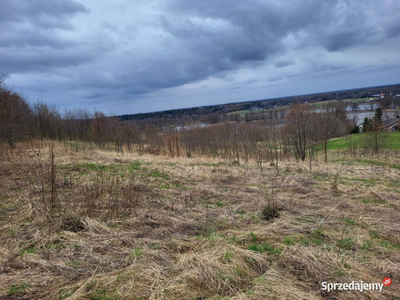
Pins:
<point x="387" y="281"/>
<point x="356" y="286"/>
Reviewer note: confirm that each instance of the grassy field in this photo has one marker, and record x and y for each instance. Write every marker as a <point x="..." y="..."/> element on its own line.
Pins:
<point x="240" y="112"/>
<point x="349" y="101"/>
<point x="99" y="225"/>
<point x="390" y="140"/>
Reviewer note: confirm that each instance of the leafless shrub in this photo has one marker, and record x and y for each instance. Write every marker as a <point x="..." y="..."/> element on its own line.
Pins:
<point x="335" y="184"/>
<point x="64" y="199"/>
<point x="271" y="209"/>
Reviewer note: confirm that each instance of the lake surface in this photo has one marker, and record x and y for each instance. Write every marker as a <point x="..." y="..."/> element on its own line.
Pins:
<point x="370" y="106"/>
<point x="360" y="116"/>
<point x="363" y="111"/>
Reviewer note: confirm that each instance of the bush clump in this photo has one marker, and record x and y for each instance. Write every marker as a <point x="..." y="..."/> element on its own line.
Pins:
<point x="270" y="212"/>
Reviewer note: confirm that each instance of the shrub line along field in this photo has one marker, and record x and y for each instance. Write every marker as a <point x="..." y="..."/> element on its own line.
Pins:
<point x="95" y="224"/>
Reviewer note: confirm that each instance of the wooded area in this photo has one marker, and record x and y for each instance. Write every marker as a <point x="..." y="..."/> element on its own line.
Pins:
<point x="274" y="135"/>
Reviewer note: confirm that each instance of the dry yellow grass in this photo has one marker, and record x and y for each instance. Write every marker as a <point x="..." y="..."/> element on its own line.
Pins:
<point x="148" y="227"/>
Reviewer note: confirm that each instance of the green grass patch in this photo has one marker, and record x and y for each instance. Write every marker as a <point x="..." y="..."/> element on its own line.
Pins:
<point x="264" y="248"/>
<point x="317" y="237"/>
<point x="87" y="166"/>
<point x="260" y="280"/>
<point x="254" y="237"/>
<point x="340" y="273"/>
<point x="293" y="240"/>
<point x="320" y="104"/>
<point x="374" y="234"/>
<point x="220" y="203"/>
<point x="379" y="162"/>
<point x="234" y="239"/>
<point x="346" y="244"/>
<point x="137" y="253"/>
<point x="336" y="144"/>
<point x="64" y="167"/>
<point x="240" y="112"/>
<point x="64" y="294"/>
<point x="8" y="207"/>
<point x="179" y="185"/>
<point x="30" y="250"/>
<point x="349" y="221"/>
<point x="73" y="263"/>
<point x="373" y="200"/>
<point x="18" y="290"/>
<point x="389" y="245"/>
<point x="135" y="165"/>
<point x="392" y="141"/>
<point x="101" y="295"/>
<point x="307" y="219"/>
<point x="367" y="245"/>
<point x="158" y="174"/>
<point x="346" y="265"/>
<point x="115" y="169"/>
<point x="228" y="255"/>
<point x="368" y="181"/>
<point x="155" y="246"/>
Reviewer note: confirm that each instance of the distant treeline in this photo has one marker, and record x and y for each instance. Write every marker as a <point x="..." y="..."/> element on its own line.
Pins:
<point x="213" y="111"/>
<point x="265" y="138"/>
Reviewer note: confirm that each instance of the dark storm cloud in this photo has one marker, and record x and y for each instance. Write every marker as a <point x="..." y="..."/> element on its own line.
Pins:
<point x="217" y="36"/>
<point x="138" y="47"/>
<point x="340" y="41"/>
<point x="241" y="33"/>
<point x="42" y="13"/>
<point x="232" y="43"/>
<point x="393" y="30"/>
<point x="265" y="23"/>
<point x="32" y="36"/>
<point x="16" y="35"/>
<point x="207" y="38"/>
<point x="40" y="61"/>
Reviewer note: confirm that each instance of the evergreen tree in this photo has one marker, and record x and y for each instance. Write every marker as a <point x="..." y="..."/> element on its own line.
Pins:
<point x="378" y="115"/>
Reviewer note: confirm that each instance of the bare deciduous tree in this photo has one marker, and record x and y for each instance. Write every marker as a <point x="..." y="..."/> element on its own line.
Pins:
<point x="298" y="127"/>
<point x="15" y="117"/>
<point x="330" y="122"/>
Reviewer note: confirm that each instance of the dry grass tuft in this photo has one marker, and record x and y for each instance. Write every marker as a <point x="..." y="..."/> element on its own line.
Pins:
<point x="223" y="270"/>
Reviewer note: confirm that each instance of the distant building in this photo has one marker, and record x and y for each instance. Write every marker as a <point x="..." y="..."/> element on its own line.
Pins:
<point x="392" y="124"/>
<point x="381" y="95"/>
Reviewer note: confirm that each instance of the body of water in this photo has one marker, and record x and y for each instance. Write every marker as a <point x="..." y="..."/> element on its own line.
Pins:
<point x="360" y="116"/>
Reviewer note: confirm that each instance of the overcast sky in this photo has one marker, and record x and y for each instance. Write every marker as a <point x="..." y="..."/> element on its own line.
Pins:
<point x="125" y="57"/>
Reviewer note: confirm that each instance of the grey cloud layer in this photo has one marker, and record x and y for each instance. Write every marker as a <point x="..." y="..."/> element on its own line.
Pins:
<point x="116" y="54"/>
<point x="34" y="35"/>
<point x="41" y="13"/>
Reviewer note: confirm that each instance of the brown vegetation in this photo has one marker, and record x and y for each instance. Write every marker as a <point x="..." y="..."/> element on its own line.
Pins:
<point x="83" y="222"/>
